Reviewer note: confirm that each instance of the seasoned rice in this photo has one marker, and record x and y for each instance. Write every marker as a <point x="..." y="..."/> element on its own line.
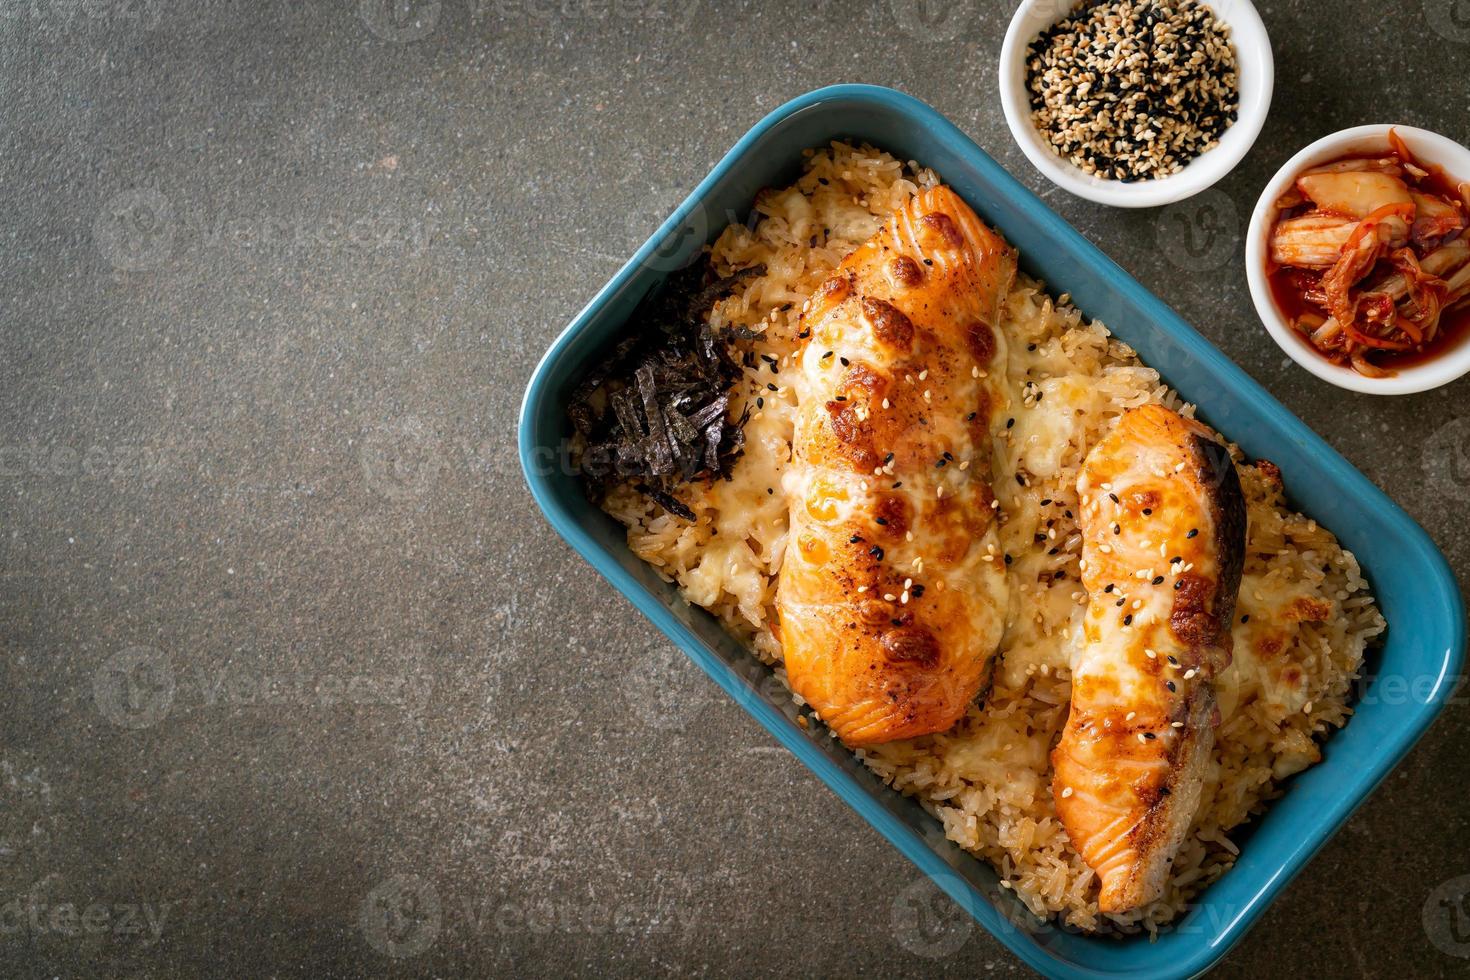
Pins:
<point x="1304" y="615"/>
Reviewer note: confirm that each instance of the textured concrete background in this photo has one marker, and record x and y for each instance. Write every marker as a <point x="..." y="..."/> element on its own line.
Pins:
<point x="284" y="638"/>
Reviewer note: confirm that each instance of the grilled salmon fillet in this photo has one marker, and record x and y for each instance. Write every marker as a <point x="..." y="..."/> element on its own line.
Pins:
<point x="892" y="592"/>
<point x="1163" y="542"/>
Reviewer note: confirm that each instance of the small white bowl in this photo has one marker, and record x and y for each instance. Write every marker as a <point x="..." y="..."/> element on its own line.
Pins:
<point x="1429" y="147"/>
<point x="1255" y="71"/>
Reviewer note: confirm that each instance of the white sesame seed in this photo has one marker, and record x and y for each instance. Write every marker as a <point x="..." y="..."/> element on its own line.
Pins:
<point x="1066" y="792"/>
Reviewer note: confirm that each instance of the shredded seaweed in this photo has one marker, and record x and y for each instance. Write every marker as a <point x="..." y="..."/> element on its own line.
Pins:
<point x="656" y="412"/>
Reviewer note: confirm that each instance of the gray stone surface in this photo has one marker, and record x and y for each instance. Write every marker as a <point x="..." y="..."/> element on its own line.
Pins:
<point x="281" y="627"/>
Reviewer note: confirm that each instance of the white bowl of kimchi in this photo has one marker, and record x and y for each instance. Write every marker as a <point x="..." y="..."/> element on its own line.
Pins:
<point x="1358" y="259"/>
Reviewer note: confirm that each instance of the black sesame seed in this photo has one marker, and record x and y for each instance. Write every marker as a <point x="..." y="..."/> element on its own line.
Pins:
<point x="1192" y="532"/>
<point x="883" y="521"/>
<point x="876" y="552"/>
<point x="1158" y="580"/>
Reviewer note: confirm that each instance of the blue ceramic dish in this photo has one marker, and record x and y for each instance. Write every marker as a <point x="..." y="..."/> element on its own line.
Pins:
<point x="1409" y="678"/>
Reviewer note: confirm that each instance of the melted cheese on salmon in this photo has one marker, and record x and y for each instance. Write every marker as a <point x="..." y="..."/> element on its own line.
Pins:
<point x="1163" y="531"/>
<point x="892" y="593"/>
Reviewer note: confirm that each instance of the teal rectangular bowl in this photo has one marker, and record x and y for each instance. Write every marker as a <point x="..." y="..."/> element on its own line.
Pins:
<point x="1407" y="681"/>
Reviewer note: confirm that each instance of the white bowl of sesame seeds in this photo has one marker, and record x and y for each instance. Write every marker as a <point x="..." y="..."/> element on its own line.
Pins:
<point x="1140" y="168"/>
